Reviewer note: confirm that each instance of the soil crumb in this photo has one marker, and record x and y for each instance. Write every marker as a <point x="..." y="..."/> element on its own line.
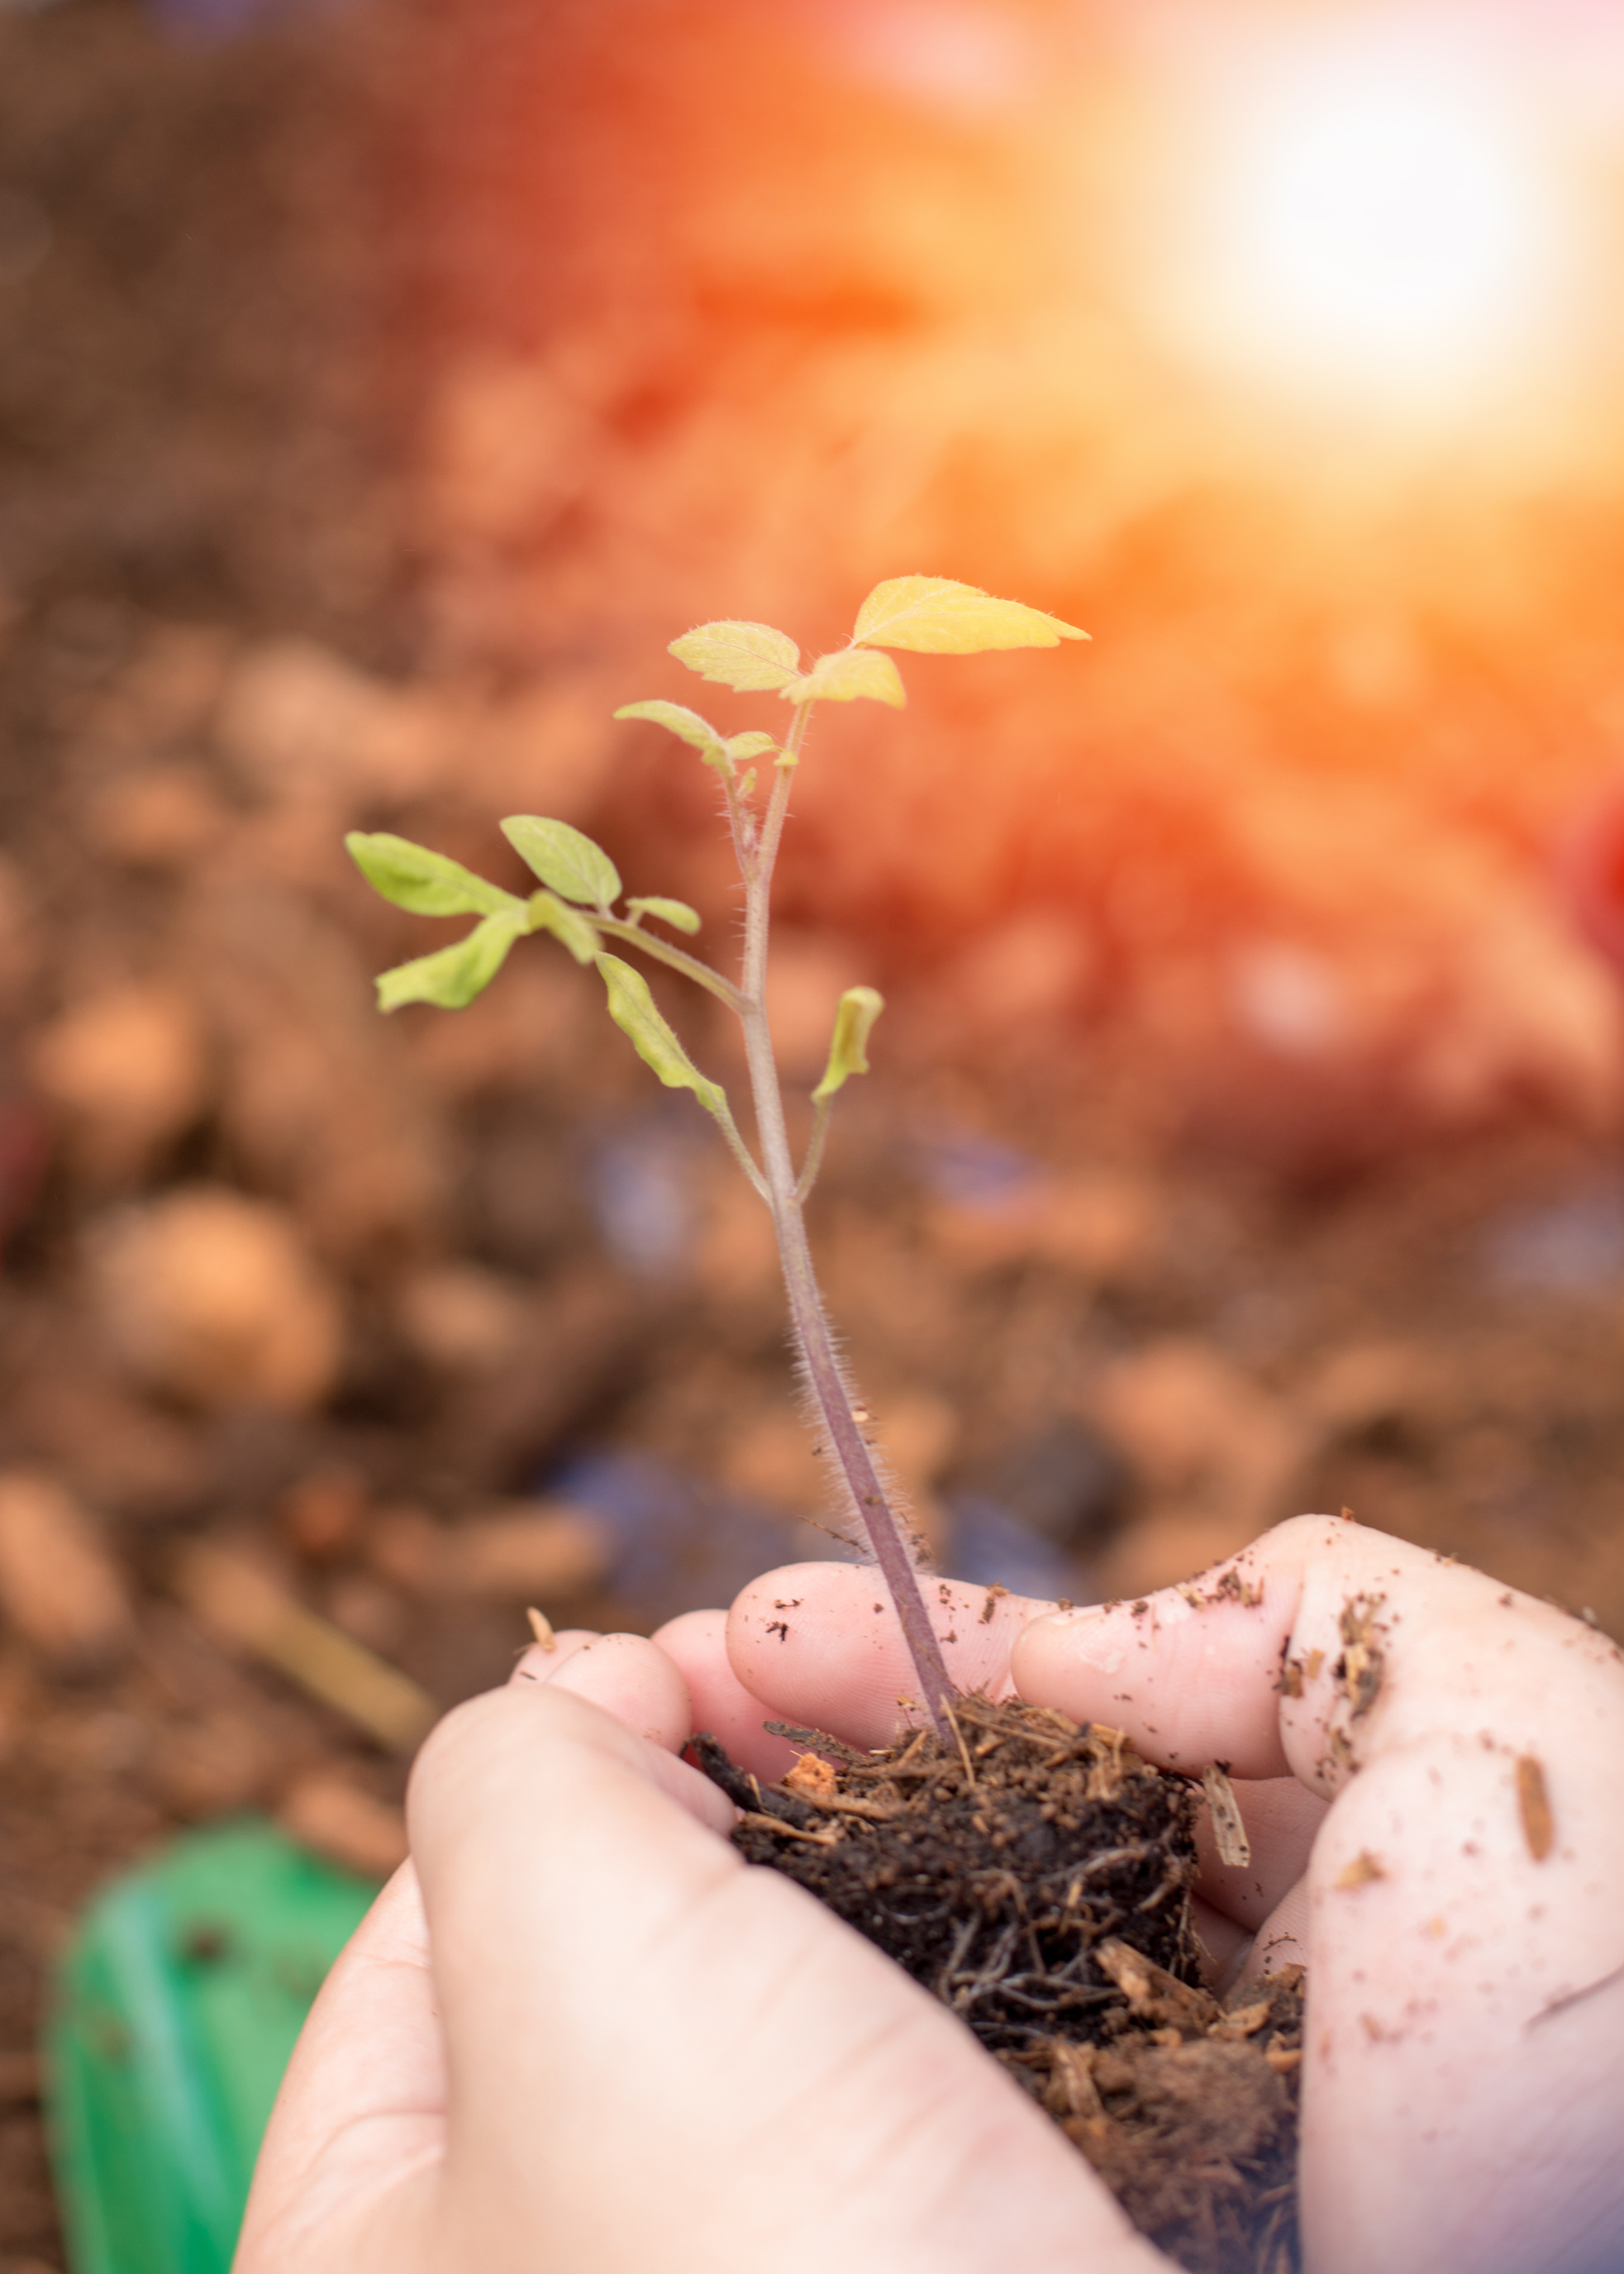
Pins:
<point x="1035" y="1877"/>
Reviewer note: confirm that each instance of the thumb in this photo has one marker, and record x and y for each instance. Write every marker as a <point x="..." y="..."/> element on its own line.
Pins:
<point x="659" y="2056"/>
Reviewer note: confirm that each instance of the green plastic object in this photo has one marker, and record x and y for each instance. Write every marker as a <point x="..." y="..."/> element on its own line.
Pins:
<point x="176" y="2010"/>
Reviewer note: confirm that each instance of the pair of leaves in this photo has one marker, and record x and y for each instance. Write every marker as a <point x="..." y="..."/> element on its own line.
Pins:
<point x="452" y="977"/>
<point x="574" y="871"/>
<point x="724" y="752"/>
<point x="932" y="615"/>
<point x="430" y="884"/>
<point x="579" y="870"/>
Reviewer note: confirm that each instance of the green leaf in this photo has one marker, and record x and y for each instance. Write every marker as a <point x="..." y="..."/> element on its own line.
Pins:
<point x="849" y="1050"/>
<point x="751" y="658"/>
<point x="547" y="912"/>
<point x="722" y="752"/>
<point x="454" y="976"/>
<point x="849" y="675"/>
<point x="563" y="858"/>
<point x="426" y="883"/>
<point x="675" y="912"/>
<point x="687" y="725"/>
<point x="937" y="616"/>
<point x="631" y="1006"/>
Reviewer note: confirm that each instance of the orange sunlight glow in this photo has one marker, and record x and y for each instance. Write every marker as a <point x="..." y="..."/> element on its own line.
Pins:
<point x="1380" y="220"/>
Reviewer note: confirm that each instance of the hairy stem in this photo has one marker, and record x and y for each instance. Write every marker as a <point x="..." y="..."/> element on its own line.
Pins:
<point x="822" y="1107"/>
<point x="886" y="1532"/>
<point x="663" y="952"/>
<point x="741" y="1151"/>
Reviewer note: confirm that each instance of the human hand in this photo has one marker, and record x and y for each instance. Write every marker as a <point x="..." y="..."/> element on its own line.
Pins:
<point x="1457" y="1903"/>
<point x="577" y="2032"/>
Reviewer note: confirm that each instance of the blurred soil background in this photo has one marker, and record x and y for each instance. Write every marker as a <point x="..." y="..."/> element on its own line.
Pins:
<point x="381" y="387"/>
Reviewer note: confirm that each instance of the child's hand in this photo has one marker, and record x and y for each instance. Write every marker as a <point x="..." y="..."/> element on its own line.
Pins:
<point x="1459" y="1903"/>
<point x="578" y="2033"/>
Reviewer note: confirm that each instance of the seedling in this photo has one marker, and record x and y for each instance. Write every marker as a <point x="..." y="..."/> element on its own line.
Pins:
<point x="1087" y="1947"/>
<point x="580" y="894"/>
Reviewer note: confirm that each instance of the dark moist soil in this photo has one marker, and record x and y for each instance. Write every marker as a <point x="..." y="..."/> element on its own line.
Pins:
<point x="1035" y="1877"/>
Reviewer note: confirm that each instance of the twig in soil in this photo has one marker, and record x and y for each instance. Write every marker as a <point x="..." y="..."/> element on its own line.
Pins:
<point x="1228" y="1826"/>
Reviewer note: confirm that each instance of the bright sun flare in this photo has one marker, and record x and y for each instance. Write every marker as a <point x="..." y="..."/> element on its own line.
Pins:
<point x="1378" y="218"/>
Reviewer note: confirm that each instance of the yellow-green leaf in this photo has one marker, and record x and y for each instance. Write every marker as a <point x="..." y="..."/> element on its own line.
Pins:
<point x="848" y="1050"/>
<point x="675" y="912"/>
<point x="564" y="859"/>
<point x="547" y="912"/>
<point x="426" y="883"/>
<point x="849" y="675"/>
<point x="456" y="975"/>
<point x="687" y="725"/>
<point x="935" y="616"/>
<point x="751" y="658"/>
<point x="632" y="1008"/>
<point x="724" y="752"/>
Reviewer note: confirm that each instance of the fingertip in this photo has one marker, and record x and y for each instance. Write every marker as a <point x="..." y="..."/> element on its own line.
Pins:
<point x="1187" y="1685"/>
<point x="542" y="1660"/>
<point x="634" y="1681"/>
<point x="696" y="1643"/>
<point x="691" y="1631"/>
<point x="820" y="1644"/>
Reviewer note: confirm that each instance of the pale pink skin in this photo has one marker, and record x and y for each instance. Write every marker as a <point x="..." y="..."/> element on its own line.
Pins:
<point x="577" y="2033"/>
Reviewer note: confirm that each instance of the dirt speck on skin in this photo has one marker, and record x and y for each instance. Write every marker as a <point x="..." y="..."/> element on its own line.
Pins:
<point x="1035" y="1877"/>
<point x="1360" y="1668"/>
<point x="1233" y="1588"/>
<point x="1358" y="1873"/>
<point x="1534" y="1808"/>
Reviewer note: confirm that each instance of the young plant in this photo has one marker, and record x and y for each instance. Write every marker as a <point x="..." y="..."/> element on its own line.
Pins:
<point x="577" y="902"/>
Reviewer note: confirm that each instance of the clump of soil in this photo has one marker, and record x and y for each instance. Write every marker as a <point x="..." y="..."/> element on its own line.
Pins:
<point x="1035" y="1877"/>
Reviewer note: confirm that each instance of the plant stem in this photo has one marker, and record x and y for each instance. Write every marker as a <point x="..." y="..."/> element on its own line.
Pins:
<point x="739" y="1151"/>
<point x="886" y="1533"/>
<point x="821" y="1111"/>
<point x="663" y="952"/>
